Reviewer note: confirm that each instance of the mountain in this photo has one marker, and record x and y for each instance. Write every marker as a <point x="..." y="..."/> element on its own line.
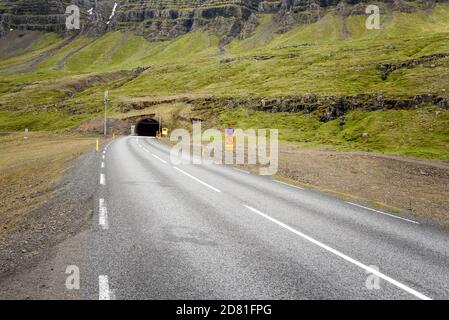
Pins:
<point x="159" y="20"/>
<point x="310" y="68"/>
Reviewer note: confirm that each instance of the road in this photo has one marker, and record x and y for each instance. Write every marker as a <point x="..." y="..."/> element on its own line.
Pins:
<point x="166" y="231"/>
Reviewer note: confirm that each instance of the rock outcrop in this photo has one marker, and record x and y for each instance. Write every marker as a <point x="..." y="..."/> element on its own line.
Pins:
<point x="325" y="108"/>
<point x="164" y="19"/>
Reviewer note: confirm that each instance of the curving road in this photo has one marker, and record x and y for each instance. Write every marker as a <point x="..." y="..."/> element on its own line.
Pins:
<point x="213" y="232"/>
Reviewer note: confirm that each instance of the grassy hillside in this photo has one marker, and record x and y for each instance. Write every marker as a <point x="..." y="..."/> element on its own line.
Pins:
<point x="419" y="133"/>
<point x="334" y="57"/>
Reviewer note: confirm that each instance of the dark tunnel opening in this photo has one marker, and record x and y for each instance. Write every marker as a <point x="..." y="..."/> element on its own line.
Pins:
<point x="147" y="127"/>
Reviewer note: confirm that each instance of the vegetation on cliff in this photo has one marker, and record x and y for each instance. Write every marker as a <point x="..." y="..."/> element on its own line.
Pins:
<point x="55" y="81"/>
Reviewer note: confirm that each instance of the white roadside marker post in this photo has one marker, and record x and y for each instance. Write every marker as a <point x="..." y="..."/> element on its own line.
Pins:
<point x="105" y="130"/>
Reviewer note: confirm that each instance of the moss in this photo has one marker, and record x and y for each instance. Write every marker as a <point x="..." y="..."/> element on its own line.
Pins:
<point x="309" y="58"/>
<point x="421" y="133"/>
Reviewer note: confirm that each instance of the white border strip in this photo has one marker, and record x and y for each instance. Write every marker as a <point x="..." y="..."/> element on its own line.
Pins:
<point x="241" y="170"/>
<point x="381" y="212"/>
<point x="288" y="184"/>
<point x="345" y="257"/>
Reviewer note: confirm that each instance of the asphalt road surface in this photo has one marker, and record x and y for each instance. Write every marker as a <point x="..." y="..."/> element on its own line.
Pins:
<point x="165" y="231"/>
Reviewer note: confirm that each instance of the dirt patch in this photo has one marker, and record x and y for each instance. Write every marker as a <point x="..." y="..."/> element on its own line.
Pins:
<point x="96" y="126"/>
<point x="30" y="65"/>
<point x="30" y="169"/>
<point x="46" y="236"/>
<point x="417" y="186"/>
<point x="16" y="42"/>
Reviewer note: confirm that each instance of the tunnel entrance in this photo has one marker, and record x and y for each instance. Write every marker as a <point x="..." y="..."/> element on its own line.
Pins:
<point x="147" y="127"/>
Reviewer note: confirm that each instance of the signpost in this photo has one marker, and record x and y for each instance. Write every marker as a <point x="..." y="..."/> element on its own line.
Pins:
<point x="105" y="130"/>
<point x="230" y="139"/>
<point x="160" y="123"/>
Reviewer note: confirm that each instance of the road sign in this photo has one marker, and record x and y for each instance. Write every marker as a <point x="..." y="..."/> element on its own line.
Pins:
<point x="229" y="139"/>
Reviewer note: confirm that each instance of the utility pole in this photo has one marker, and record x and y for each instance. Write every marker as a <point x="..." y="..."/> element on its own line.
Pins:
<point x="105" y="130"/>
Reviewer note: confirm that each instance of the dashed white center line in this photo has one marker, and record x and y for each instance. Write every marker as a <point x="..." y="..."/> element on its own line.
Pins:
<point x="102" y="165"/>
<point x="198" y="180"/>
<point x="288" y="184"/>
<point x="104" y="293"/>
<point x="103" y="215"/>
<point x="160" y="159"/>
<point x="381" y="212"/>
<point x="103" y="157"/>
<point x="341" y="255"/>
<point x="102" y="179"/>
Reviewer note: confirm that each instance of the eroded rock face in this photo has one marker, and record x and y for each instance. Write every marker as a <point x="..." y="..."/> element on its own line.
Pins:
<point x="155" y="19"/>
<point x="165" y="19"/>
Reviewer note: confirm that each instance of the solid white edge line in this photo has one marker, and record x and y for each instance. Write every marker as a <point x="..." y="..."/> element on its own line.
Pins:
<point x="103" y="214"/>
<point x="104" y="292"/>
<point x="288" y="184"/>
<point x="102" y="179"/>
<point x="198" y="180"/>
<point x="160" y="159"/>
<point x="241" y="170"/>
<point x="345" y="257"/>
<point x="381" y="212"/>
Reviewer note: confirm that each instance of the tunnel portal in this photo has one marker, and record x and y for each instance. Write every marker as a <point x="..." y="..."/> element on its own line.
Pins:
<point x="147" y="127"/>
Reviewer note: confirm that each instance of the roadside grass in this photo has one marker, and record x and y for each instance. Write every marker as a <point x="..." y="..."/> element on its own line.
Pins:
<point x="39" y="121"/>
<point x="317" y="58"/>
<point x="30" y="168"/>
<point x="422" y="133"/>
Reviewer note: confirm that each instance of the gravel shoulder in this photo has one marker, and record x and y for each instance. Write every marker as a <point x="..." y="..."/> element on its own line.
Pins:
<point x="419" y="187"/>
<point x="37" y="249"/>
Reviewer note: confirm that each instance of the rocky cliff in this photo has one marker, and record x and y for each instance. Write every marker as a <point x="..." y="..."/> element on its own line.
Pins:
<point x="163" y="19"/>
